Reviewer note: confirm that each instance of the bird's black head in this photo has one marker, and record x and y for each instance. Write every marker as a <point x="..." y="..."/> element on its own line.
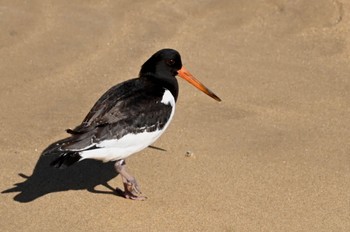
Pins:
<point x="164" y="63"/>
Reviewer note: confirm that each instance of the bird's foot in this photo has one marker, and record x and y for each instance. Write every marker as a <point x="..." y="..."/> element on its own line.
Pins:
<point x="132" y="189"/>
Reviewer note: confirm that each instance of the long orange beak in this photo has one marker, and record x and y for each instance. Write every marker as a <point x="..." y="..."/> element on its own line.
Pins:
<point x="185" y="74"/>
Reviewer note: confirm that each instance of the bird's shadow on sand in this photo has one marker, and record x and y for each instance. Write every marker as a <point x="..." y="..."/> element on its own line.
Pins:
<point x="86" y="174"/>
<point x="45" y="179"/>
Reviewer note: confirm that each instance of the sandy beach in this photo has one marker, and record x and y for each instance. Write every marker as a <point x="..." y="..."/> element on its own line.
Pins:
<point x="274" y="155"/>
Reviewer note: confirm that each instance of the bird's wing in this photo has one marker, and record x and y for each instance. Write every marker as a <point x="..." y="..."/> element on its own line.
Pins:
<point x="126" y="108"/>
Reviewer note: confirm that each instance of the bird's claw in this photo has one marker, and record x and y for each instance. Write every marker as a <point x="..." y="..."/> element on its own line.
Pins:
<point x="132" y="190"/>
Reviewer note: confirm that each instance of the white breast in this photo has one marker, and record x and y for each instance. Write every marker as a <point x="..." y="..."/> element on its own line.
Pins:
<point x="116" y="149"/>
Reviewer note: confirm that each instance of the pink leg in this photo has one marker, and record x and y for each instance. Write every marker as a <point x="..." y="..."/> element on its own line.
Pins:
<point x="131" y="188"/>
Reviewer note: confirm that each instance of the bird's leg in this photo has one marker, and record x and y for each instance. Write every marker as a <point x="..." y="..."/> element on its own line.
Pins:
<point x="131" y="187"/>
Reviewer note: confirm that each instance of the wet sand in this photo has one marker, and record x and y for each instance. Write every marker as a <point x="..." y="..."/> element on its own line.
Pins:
<point x="273" y="156"/>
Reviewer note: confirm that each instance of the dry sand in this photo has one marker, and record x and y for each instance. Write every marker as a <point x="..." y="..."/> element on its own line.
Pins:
<point x="273" y="156"/>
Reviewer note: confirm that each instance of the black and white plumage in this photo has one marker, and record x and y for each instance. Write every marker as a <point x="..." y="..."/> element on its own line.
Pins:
<point x="128" y="117"/>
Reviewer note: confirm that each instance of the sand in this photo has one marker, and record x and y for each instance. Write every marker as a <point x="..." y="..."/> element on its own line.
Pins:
<point x="273" y="156"/>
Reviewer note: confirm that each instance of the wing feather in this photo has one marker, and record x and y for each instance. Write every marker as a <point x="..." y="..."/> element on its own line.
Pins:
<point x="130" y="107"/>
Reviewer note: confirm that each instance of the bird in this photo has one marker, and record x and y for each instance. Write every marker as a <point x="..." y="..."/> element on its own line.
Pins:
<point x="128" y="118"/>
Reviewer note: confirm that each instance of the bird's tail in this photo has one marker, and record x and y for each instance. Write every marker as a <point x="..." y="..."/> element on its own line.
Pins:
<point x="56" y="147"/>
<point x="65" y="157"/>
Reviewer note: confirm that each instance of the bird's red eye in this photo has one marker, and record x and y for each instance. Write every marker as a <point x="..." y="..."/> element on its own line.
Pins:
<point x="170" y="62"/>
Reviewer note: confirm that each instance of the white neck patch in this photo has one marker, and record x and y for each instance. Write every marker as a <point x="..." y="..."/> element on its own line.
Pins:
<point x="168" y="98"/>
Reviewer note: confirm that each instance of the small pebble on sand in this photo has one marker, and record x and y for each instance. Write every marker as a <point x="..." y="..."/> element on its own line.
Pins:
<point x="189" y="154"/>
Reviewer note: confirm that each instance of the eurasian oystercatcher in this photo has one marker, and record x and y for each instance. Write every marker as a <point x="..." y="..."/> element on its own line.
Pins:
<point x="128" y="118"/>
